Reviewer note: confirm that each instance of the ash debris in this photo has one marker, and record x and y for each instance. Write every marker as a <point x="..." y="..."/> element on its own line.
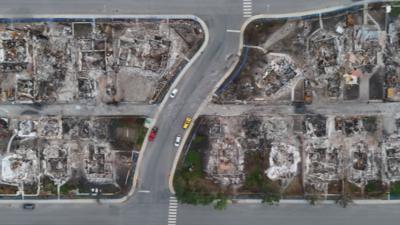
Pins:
<point x="320" y="150"/>
<point x="391" y="153"/>
<point x="347" y="56"/>
<point x="99" y="61"/>
<point x="231" y="138"/>
<point x="283" y="160"/>
<point x="65" y="150"/>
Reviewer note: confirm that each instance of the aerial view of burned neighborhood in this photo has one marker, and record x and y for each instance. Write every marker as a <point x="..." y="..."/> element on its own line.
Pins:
<point x="80" y="62"/>
<point x="310" y="112"/>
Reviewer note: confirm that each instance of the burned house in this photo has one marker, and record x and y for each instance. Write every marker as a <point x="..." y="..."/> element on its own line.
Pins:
<point x="230" y="139"/>
<point x="68" y="151"/>
<point x="98" y="163"/>
<point x="322" y="164"/>
<point x="51" y="127"/>
<point x="56" y="163"/>
<point x="20" y="167"/>
<point x="365" y="162"/>
<point x="279" y="71"/>
<point x="283" y="159"/>
<point x="339" y="54"/>
<point x="391" y="152"/>
<point x="92" y="61"/>
<point x="226" y="156"/>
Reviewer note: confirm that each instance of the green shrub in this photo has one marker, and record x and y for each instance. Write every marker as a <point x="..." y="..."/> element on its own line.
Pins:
<point x="271" y="199"/>
<point x="395" y="188"/>
<point x="373" y="187"/>
<point x="221" y="203"/>
<point x="395" y="9"/>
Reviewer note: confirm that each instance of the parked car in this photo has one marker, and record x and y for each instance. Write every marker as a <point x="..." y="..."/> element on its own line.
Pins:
<point x="28" y="206"/>
<point x="187" y="122"/>
<point x="173" y="93"/>
<point x="153" y="133"/>
<point x="178" y="140"/>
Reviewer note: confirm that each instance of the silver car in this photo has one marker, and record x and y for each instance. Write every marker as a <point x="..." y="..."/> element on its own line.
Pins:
<point x="178" y="140"/>
<point x="173" y="93"/>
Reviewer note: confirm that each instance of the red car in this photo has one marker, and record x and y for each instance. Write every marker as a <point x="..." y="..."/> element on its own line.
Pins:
<point x="153" y="133"/>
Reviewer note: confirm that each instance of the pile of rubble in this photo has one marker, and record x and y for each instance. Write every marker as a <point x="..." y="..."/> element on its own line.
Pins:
<point x="93" y="61"/>
<point x="329" y="149"/>
<point x="283" y="161"/>
<point x="225" y="160"/>
<point x="61" y="149"/>
<point x="231" y="138"/>
<point x="278" y="73"/>
<point x="337" y="54"/>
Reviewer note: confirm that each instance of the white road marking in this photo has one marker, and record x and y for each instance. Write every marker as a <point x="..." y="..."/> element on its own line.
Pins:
<point x="247" y="8"/>
<point x="172" y="210"/>
<point x="233" y="31"/>
<point x="144" y="191"/>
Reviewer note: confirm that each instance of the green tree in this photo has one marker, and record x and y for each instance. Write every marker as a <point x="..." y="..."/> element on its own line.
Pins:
<point x="221" y="203"/>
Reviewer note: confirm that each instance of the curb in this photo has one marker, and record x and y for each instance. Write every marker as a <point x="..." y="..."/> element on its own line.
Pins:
<point x="321" y="202"/>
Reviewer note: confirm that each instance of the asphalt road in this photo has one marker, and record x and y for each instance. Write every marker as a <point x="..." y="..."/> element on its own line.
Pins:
<point x="291" y="215"/>
<point x="152" y="208"/>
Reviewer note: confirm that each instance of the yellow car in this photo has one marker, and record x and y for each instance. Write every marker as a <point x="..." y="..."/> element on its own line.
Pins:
<point x="187" y="122"/>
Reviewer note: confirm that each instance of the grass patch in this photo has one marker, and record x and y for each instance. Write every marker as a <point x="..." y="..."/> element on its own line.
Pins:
<point x="395" y="188"/>
<point x="256" y="181"/>
<point x="190" y="184"/>
<point x="140" y="138"/>
<point x="374" y="188"/>
<point x="395" y="9"/>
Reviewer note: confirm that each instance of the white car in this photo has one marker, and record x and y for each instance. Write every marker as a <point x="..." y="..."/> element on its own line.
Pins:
<point x="173" y="93"/>
<point x="178" y="140"/>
